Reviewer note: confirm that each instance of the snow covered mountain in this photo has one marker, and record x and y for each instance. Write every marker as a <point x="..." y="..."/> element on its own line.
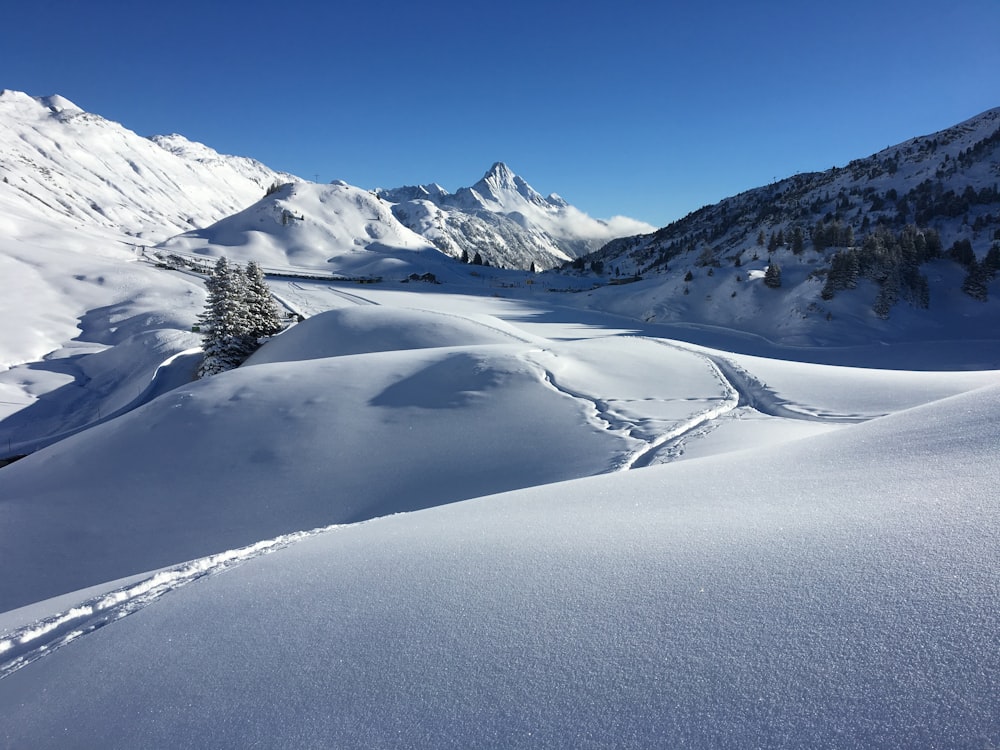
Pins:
<point x="87" y="323"/>
<point x="902" y="244"/>
<point x="505" y="221"/>
<point x="64" y="164"/>
<point x="480" y="513"/>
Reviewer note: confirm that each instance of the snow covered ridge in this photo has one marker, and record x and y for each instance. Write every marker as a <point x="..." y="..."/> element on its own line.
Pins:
<point x="305" y="225"/>
<point x="505" y="221"/>
<point x="65" y="163"/>
<point x="903" y="240"/>
<point x="62" y="163"/>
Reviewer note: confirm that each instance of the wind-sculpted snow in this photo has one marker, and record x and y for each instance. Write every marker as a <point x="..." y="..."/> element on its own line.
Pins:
<point x="273" y="448"/>
<point x="361" y="329"/>
<point x="838" y="593"/>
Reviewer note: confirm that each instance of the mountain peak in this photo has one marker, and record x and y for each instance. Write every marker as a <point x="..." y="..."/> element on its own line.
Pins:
<point x="501" y="185"/>
<point x="501" y="173"/>
<point x="57" y="103"/>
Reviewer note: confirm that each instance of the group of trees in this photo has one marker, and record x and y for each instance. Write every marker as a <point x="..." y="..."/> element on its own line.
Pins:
<point x="978" y="273"/>
<point x="892" y="260"/>
<point x="476" y="260"/>
<point x="239" y="312"/>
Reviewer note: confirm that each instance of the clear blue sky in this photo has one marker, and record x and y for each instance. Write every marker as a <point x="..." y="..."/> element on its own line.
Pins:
<point x="636" y="108"/>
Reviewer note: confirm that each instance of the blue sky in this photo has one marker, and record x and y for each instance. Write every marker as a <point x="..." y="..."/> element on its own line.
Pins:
<point x="621" y="107"/>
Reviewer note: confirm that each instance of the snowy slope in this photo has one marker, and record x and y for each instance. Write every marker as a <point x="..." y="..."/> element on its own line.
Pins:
<point x="76" y="167"/>
<point x="369" y="410"/>
<point x="945" y="183"/>
<point x="805" y="555"/>
<point x="505" y="221"/>
<point x="79" y="197"/>
<point x="335" y="228"/>
<point x="729" y="601"/>
<point x="67" y="296"/>
<point x="293" y="442"/>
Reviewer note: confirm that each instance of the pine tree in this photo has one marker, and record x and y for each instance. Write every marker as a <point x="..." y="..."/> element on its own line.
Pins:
<point x="992" y="260"/>
<point x="976" y="281"/>
<point x="264" y="319"/>
<point x="772" y="276"/>
<point x="798" y="240"/>
<point x="225" y="329"/>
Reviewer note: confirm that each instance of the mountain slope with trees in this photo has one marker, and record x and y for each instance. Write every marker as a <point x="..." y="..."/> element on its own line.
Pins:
<point x="909" y="234"/>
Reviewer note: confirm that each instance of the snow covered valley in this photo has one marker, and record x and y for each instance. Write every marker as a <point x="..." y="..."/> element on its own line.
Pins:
<point x="807" y="555"/>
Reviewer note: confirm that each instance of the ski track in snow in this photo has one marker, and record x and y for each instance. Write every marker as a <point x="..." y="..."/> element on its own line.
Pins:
<point x="31" y="642"/>
<point x="756" y="395"/>
<point x="745" y="390"/>
<point x="604" y="415"/>
<point x="357" y="299"/>
<point x="698" y="422"/>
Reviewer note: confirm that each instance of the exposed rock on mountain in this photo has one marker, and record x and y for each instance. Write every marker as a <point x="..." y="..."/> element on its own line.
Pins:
<point x="503" y="220"/>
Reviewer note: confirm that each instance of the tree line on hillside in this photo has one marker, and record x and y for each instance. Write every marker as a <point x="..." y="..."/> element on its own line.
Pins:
<point x="238" y="313"/>
<point x="893" y="260"/>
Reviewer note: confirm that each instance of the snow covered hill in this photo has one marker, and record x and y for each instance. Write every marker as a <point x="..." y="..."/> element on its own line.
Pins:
<point x="79" y="197"/>
<point x="902" y="245"/>
<point x="505" y="221"/>
<point x="336" y="228"/>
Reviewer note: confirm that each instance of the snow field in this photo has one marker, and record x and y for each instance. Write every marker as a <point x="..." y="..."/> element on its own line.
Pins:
<point x="291" y="445"/>
<point x="729" y="600"/>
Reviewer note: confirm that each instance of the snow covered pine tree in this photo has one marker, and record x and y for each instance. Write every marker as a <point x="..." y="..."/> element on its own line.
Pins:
<point x="264" y="317"/>
<point x="238" y="312"/>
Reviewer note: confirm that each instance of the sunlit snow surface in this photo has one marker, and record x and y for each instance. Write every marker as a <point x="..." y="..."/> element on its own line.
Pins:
<point x="832" y="582"/>
<point x="730" y="601"/>
<point x="474" y="514"/>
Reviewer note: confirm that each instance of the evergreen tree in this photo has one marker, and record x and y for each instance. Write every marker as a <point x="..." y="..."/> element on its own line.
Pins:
<point x="961" y="251"/>
<point x="263" y="316"/>
<point x="976" y="281"/>
<point x="223" y="323"/>
<point x="888" y="295"/>
<point x="772" y="276"/>
<point x="992" y="260"/>
<point x="237" y="312"/>
<point x="798" y="241"/>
